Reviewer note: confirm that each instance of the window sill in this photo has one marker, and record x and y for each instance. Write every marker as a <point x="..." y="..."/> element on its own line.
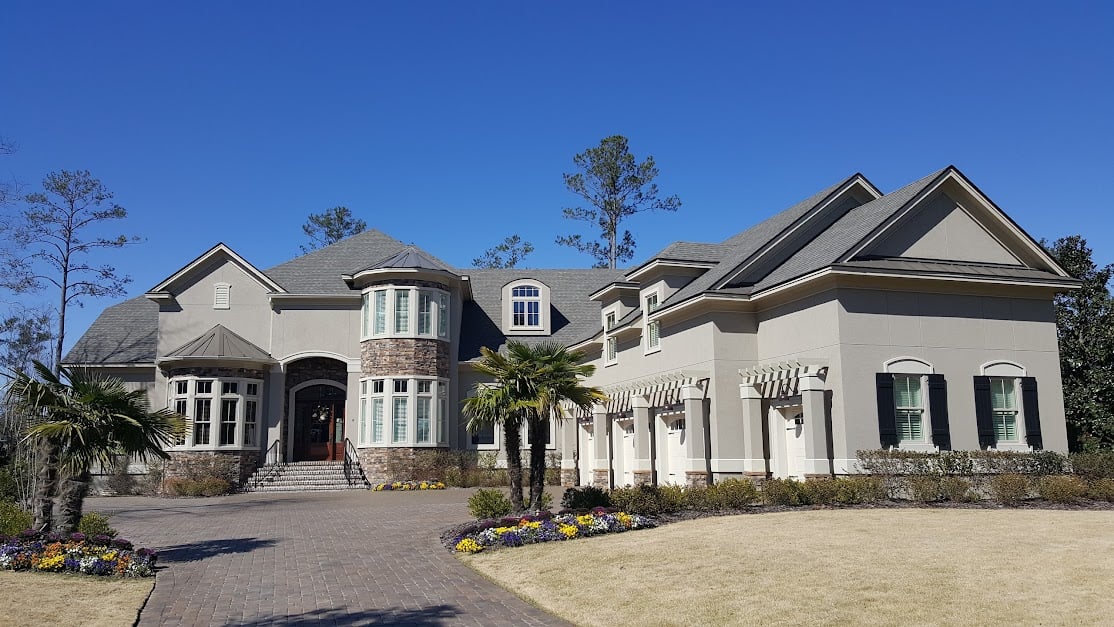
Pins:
<point x="403" y="336"/>
<point x="1013" y="447"/>
<point x="918" y="447"/>
<point x="527" y="331"/>
<point x="651" y="351"/>
<point x="401" y="445"/>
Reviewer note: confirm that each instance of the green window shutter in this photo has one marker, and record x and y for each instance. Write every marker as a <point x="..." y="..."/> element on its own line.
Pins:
<point x="984" y="414"/>
<point x="1032" y="413"/>
<point x="938" y="408"/>
<point x="887" y="417"/>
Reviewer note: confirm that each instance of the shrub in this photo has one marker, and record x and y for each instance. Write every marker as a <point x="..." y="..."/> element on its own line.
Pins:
<point x="585" y="498"/>
<point x="1093" y="466"/>
<point x="120" y="482"/>
<point x="1061" y="488"/>
<point x="649" y="500"/>
<point x="489" y="504"/>
<point x="782" y="492"/>
<point x="736" y="493"/>
<point x="859" y="489"/>
<point x="14" y="519"/>
<point x="1009" y="488"/>
<point x="205" y="486"/>
<point x="957" y="489"/>
<point x="922" y="489"/>
<point x="94" y="524"/>
<point x="9" y="486"/>
<point x="819" y="491"/>
<point x="1101" y="490"/>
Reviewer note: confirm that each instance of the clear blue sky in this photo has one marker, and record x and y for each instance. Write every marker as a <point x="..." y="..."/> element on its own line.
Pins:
<point x="449" y="124"/>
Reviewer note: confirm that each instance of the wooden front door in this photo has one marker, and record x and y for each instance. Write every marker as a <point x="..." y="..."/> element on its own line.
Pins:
<point x="319" y="423"/>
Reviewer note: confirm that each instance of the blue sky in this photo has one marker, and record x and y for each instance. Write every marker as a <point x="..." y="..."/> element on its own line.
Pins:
<point x="449" y="124"/>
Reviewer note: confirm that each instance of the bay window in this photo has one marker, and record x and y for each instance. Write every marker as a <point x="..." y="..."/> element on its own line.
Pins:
<point x="417" y="414"/>
<point x="405" y="312"/>
<point x="220" y="412"/>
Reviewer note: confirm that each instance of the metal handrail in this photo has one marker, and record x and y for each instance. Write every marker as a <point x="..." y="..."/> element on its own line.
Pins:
<point x="270" y="459"/>
<point x="352" y="466"/>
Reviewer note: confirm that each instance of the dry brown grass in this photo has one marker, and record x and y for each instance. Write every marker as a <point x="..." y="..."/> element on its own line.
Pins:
<point x="55" y="599"/>
<point x="859" y="566"/>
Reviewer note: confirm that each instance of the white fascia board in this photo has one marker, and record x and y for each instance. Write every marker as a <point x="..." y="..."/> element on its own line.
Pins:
<point x="617" y="286"/>
<point x="699" y="299"/>
<point x="304" y="297"/>
<point x="220" y="248"/>
<point x="408" y="272"/>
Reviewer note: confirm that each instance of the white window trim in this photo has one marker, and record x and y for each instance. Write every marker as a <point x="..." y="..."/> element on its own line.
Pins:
<point x="610" y="351"/>
<point x="525" y="433"/>
<point x="437" y="297"/>
<point x="657" y="291"/>
<point x="1019" y="444"/>
<point x="438" y="427"/>
<point x="215" y="410"/>
<point x="496" y="441"/>
<point x="924" y="445"/>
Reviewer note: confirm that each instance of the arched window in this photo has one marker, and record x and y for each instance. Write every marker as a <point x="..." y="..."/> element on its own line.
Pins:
<point x="526" y="308"/>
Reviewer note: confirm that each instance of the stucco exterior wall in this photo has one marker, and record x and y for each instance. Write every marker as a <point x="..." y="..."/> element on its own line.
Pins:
<point x="332" y="327"/>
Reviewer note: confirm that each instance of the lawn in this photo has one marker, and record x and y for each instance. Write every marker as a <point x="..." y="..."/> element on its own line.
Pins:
<point x="853" y="566"/>
<point x="55" y="599"/>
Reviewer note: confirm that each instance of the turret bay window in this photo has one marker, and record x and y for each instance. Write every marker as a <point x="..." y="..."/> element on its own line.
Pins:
<point x="220" y="412"/>
<point x="403" y="412"/>
<point x="405" y="312"/>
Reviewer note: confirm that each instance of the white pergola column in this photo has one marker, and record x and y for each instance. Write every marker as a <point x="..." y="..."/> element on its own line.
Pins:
<point x="601" y="440"/>
<point x="696" y="465"/>
<point x="567" y="430"/>
<point x="643" y="468"/>
<point x="754" y="455"/>
<point x="817" y="457"/>
<point x="276" y="399"/>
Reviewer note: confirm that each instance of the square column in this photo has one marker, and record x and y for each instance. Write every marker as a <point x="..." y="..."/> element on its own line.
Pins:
<point x="567" y="430"/>
<point x="601" y="442"/>
<point x="275" y="386"/>
<point x="754" y="456"/>
<point x="817" y="457"/>
<point x="696" y="464"/>
<point x="643" y="466"/>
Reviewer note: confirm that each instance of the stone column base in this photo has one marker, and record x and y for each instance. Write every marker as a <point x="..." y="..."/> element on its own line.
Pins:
<point x="696" y="479"/>
<point x="570" y="477"/>
<point x="601" y="478"/>
<point x="643" y="477"/>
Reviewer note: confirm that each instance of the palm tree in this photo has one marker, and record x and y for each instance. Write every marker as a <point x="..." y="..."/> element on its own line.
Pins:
<point x="557" y="385"/>
<point x="531" y="385"/>
<point x="501" y="402"/>
<point x="89" y="419"/>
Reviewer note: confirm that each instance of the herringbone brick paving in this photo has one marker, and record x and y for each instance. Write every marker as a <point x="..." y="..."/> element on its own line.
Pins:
<point x="332" y="558"/>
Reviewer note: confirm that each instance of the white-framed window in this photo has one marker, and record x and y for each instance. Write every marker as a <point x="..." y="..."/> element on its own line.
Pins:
<point x="397" y="311"/>
<point x="402" y="411"/>
<point x="526" y="306"/>
<point x="609" y="320"/>
<point x="220" y="412"/>
<point x="1003" y="405"/>
<point x="651" y="302"/>
<point x="487" y="438"/>
<point x="548" y="435"/>
<point x="222" y="295"/>
<point x="611" y="355"/>
<point x="909" y="408"/>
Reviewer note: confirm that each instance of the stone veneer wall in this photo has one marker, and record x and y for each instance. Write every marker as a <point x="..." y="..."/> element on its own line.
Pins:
<point x="244" y="462"/>
<point x="399" y="356"/>
<point x="309" y="369"/>
<point x="379" y="462"/>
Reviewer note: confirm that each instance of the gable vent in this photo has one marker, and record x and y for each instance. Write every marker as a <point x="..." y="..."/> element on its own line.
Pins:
<point x="221" y="295"/>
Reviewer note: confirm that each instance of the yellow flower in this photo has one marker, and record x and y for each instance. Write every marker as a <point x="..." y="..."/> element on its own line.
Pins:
<point x="624" y="519"/>
<point x="585" y="519"/>
<point x="569" y="531"/>
<point x="468" y="545"/>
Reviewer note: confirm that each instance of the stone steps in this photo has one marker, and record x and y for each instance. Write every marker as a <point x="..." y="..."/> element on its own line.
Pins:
<point x="303" y="477"/>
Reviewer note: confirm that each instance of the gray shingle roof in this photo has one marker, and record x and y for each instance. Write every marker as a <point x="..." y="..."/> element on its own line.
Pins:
<point x="692" y="251"/>
<point x="219" y="343"/>
<point x="839" y="238"/>
<point x="319" y="272"/>
<point x="125" y="333"/>
<point x="572" y="317"/>
<point x="411" y="257"/>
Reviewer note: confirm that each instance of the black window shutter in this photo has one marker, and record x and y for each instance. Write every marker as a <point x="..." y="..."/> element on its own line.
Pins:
<point x="887" y="417"/>
<point x="1032" y="413"/>
<point x="984" y="412"/>
<point x="938" y="408"/>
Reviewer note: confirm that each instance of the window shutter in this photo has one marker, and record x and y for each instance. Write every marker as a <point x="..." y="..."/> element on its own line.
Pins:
<point x="983" y="412"/>
<point x="887" y="417"/>
<point x="938" y="408"/>
<point x="1032" y="413"/>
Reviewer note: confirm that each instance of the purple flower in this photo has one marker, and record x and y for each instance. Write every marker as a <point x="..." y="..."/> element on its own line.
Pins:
<point x="77" y="536"/>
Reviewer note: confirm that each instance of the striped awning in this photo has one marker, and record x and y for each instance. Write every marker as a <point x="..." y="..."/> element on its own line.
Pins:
<point x="781" y="379"/>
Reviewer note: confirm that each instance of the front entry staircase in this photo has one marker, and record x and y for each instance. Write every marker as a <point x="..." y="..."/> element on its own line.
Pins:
<point x="306" y="477"/>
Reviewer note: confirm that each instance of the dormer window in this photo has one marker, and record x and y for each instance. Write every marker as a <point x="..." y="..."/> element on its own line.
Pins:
<point x="526" y="303"/>
<point x="222" y="293"/>
<point x="526" y="308"/>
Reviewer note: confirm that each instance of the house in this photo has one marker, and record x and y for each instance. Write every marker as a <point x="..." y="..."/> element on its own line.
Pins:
<point x="921" y="319"/>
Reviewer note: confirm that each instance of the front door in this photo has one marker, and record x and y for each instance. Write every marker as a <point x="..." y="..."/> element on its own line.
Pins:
<point x="319" y="423"/>
<point x="794" y="443"/>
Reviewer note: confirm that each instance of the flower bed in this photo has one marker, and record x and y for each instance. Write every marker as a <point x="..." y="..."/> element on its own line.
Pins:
<point x="409" y="485"/>
<point x="545" y="527"/>
<point x="75" y="553"/>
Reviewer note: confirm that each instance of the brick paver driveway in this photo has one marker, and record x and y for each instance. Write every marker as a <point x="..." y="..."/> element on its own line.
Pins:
<point x="348" y="558"/>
